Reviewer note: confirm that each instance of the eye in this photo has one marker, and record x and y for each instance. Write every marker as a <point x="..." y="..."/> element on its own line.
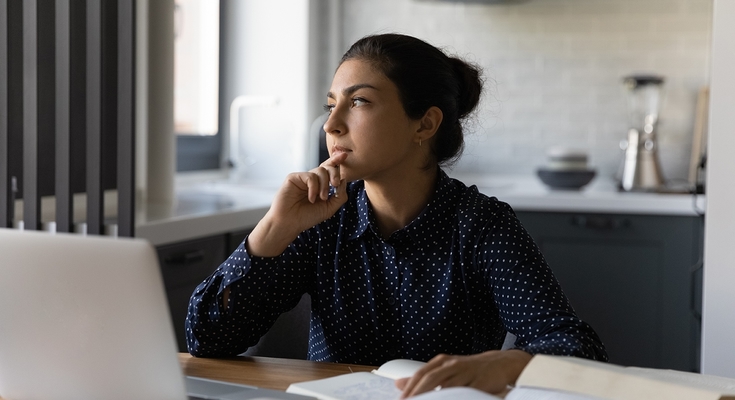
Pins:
<point x="328" y="108"/>
<point x="359" y="101"/>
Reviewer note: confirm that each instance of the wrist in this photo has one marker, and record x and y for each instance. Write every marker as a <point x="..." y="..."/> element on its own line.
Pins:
<point x="518" y="359"/>
<point x="269" y="238"/>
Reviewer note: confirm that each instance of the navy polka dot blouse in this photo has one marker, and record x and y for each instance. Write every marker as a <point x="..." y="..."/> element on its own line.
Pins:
<point x="453" y="281"/>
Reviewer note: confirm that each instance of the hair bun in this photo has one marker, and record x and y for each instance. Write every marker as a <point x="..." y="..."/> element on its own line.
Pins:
<point x="470" y="82"/>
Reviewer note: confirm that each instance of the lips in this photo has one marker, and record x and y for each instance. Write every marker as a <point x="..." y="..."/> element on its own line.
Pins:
<point x="339" y="149"/>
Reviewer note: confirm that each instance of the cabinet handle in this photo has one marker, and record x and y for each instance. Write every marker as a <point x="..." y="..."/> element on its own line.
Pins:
<point x="600" y="223"/>
<point x="185" y="258"/>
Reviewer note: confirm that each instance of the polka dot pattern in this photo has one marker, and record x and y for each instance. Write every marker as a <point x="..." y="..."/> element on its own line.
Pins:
<point x="453" y="281"/>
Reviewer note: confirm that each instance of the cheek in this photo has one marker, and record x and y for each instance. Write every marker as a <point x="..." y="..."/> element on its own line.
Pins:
<point x="328" y="141"/>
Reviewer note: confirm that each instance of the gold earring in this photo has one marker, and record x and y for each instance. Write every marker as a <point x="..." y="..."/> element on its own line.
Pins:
<point x="419" y="142"/>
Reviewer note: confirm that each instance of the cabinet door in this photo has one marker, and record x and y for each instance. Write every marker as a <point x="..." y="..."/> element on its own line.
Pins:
<point x="630" y="277"/>
<point x="184" y="266"/>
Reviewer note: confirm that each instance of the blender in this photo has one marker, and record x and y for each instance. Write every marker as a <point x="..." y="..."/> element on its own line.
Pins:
<point x="640" y="169"/>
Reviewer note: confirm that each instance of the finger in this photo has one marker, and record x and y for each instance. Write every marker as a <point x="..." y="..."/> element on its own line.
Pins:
<point x="332" y="165"/>
<point x="438" y="377"/>
<point x="336" y="178"/>
<point x="433" y="364"/>
<point x="342" y="190"/>
<point x="317" y="185"/>
<point x="312" y="184"/>
<point x="323" y="177"/>
<point x="335" y="160"/>
<point x="401" y="383"/>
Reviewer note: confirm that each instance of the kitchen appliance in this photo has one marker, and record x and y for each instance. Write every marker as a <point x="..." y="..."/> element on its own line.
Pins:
<point x="640" y="168"/>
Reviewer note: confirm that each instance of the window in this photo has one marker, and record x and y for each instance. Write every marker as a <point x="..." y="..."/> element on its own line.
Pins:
<point x="196" y="84"/>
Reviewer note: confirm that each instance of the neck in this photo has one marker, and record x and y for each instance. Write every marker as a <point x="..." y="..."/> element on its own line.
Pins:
<point x="398" y="201"/>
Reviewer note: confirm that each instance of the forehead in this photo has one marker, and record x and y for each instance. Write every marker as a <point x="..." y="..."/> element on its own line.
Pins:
<point x="358" y="72"/>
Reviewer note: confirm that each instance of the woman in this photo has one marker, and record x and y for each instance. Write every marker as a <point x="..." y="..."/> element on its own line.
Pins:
<point x="400" y="260"/>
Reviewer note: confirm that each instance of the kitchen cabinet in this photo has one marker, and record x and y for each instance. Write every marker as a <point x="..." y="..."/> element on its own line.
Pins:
<point x="184" y="266"/>
<point x="635" y="278"/>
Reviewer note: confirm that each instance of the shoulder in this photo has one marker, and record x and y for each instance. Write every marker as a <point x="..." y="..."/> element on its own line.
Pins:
<point x="479" y="207"/>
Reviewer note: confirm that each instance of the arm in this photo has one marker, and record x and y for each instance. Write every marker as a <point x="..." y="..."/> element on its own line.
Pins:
<point x="269" y="271"/>
<point x="530" y="303"/>
<point x="259" y="290"/>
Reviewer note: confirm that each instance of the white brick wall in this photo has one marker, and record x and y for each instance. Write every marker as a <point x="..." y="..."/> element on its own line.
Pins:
<point x="554" y="70"/>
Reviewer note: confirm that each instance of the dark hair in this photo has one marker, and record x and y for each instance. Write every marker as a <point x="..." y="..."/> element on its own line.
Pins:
<point x="425" y="76"/>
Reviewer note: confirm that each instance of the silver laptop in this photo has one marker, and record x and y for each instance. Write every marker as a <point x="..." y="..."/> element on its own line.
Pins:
<point x="87" y="318"/>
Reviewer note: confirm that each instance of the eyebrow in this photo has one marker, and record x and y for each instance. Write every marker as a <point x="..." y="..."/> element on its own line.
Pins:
<point x="352" y="89"/>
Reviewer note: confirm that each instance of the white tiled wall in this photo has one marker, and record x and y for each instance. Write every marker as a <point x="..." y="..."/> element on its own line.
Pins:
<point x="554" y="70"/>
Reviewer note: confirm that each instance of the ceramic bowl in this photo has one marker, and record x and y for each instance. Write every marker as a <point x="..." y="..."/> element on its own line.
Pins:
<point x="571" y="179"/>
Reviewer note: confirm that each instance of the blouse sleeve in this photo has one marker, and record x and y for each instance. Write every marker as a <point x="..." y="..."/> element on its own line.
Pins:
<point x="261" y="289"/>
<point x="529" y="299"/>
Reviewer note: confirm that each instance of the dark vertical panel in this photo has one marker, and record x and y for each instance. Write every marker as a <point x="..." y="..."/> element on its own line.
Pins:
<point x="31" y="200"/>
<point x="5" y="192"/>
<point x="109" y="92"/>
<point x="46" y="89"/>
<point x="125" y="118"/>
<point x="64" y="205"/>
<point x="78" y="93"/>
<point x="95" y="204"/>
<point x="15" y="99"/>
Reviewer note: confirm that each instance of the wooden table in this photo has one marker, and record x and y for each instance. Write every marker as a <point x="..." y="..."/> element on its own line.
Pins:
<point x="264" y="372"/>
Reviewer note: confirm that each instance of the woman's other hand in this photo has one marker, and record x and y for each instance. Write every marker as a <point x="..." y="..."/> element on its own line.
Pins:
<point x="491" y="371"/>
<point x="302" y="202"/>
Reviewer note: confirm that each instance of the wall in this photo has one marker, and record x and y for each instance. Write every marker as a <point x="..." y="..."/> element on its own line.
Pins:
<point x="554" y="70"/>
<point x="718" y="324"/>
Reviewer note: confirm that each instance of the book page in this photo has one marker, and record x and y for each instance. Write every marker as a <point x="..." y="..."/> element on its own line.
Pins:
<point x="355" y="386"/>
<point x="457" y="393"/>
<point x="544" y="394"/>
<point x="711" y="382"/>
<point x="396" y="369"/>
<point x="608" y="381"/>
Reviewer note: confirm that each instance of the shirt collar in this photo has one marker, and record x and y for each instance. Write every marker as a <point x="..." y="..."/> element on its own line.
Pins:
<point x="444" y="192"/>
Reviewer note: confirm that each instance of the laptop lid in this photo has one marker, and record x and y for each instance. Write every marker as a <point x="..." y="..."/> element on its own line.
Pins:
<point x="84" y="318"/>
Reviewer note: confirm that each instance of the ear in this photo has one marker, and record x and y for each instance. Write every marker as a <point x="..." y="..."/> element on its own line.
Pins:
<point x="429" y="124"/>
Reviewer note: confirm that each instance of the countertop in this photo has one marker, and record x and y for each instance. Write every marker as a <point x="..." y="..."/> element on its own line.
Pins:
<point x="218" y="206"/>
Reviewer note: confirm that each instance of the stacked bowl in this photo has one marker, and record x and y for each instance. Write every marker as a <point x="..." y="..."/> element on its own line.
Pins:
<point x="566" y="169"/>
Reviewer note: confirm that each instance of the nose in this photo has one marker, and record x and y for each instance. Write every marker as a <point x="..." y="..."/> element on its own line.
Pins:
<point x="335" y="124"/>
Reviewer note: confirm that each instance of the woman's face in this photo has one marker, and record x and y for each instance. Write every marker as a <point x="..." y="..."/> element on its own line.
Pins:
<point x="368" y="122"/>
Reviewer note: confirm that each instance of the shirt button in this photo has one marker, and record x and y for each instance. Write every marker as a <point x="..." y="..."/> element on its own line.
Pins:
<point x="391" y="301"/>
<point x="238" y="271"/>
<point x="391" y="251"/>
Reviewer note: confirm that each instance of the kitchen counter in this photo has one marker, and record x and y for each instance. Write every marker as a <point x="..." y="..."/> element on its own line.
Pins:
<point x="205" y="209"/>
<point x="217" y="207"/>
<point x="528" y="193"/>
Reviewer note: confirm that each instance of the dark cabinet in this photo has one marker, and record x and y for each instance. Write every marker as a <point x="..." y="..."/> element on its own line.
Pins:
<point x="184" y="266"/>
<point x="635" y="278"/>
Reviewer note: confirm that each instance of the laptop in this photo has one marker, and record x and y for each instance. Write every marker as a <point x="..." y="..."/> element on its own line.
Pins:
<point x="85" y="317"/>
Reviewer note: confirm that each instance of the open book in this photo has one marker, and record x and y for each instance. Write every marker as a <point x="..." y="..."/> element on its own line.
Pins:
<point x="598" y="380"/>
<point x="544" y="378"/>
<point x="379" y="384"/>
